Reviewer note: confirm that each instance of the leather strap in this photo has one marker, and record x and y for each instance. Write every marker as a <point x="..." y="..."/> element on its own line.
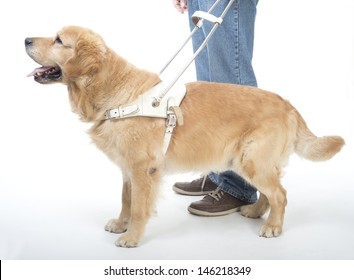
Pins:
<point x="145" y="105"/>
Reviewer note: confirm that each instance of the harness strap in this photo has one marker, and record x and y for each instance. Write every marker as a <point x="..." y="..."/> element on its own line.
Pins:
<point x="171" y="123"/>
<point x="145" y="106"/>
<point x="121" y="112"/>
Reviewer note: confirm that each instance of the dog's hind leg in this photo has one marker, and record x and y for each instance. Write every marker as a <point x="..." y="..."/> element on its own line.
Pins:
<point x="257" y="209"/>
<point x="260" y="163"/>
<point x="274" y="192"/>
<point x="265" y="178"/>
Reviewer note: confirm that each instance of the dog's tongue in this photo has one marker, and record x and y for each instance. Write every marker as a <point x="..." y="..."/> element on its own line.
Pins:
<point x="39" y="70"/>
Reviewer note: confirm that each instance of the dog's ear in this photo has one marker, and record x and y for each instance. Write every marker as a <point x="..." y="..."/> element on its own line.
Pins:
<point x="88" y="57"/>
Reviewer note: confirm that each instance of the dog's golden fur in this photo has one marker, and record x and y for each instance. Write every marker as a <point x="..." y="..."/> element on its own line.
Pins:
<point x="226" y="127"/>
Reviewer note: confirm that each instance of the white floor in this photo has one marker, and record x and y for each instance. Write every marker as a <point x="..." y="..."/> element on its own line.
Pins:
<point x="60" y="214"/>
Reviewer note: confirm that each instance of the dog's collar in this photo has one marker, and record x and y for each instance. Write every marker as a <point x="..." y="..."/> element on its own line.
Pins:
<point x="146" y="106"/>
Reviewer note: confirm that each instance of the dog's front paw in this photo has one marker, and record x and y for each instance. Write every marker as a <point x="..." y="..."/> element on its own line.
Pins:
<point x="127" y="240"/>
<point x="270" y="230"/>
<point x="116" y="226"/>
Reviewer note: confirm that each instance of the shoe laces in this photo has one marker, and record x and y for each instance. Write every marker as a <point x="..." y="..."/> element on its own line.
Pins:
<point x="217" y="194"/>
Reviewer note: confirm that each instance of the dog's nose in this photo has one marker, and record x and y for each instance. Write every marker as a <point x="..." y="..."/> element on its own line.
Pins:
<point x="28" y="42"/>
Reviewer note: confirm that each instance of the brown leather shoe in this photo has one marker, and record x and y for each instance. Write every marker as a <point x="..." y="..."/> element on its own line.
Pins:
<point x="201" y="186"/>
<point x="217" y="203"/>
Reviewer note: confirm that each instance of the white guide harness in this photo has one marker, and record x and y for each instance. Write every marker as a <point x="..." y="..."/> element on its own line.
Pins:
<point x="163" y="101"/>
<point x="145" y="106"/>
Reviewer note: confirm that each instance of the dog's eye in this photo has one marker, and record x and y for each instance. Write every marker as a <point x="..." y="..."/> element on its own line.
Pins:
<point x="58" y="40"/>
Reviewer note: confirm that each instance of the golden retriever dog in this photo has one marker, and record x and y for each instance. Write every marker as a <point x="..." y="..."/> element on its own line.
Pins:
<point x="226" y="127"/>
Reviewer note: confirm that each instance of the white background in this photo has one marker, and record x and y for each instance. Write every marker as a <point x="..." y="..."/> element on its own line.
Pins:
<point x="57" y="190"/>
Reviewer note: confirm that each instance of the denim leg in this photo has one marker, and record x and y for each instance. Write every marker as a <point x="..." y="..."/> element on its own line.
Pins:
<point x="227" y="59"/>
<point x="202" y="60"/>
<point x="230" y="61"/>
<point x="235" y="185"/>
<point x="228" y="56"/>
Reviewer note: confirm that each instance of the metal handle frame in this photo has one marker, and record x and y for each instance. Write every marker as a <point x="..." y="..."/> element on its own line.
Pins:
<point x="201" y="47"/>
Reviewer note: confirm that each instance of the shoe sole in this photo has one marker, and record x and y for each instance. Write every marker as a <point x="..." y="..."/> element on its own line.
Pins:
<point x="180" y="191"/>
<point x="212" y="214"/>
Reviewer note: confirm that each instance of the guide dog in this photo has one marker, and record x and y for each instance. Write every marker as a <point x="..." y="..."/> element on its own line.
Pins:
<point x="226" y="127"/>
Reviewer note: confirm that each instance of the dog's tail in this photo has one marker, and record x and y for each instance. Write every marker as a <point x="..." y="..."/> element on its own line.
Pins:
<point x="315" y="148"/>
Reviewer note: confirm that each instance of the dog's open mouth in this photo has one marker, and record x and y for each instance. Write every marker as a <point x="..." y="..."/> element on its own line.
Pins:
<point x="46" y="74"/>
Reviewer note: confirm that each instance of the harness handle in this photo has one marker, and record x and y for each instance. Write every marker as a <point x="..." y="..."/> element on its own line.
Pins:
<point x="188" y="38"/>
<point x="204" y="15"/>
<point x="199" y="22"/>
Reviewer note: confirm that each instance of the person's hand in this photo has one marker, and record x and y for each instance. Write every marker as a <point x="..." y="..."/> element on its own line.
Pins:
<point x="181" y="5"/>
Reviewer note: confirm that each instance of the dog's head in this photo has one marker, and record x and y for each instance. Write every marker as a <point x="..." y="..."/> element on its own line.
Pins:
<point x="74" y="52"/>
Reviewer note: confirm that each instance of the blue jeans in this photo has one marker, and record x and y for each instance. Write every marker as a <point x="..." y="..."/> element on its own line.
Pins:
<point x="227" y="58"/>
